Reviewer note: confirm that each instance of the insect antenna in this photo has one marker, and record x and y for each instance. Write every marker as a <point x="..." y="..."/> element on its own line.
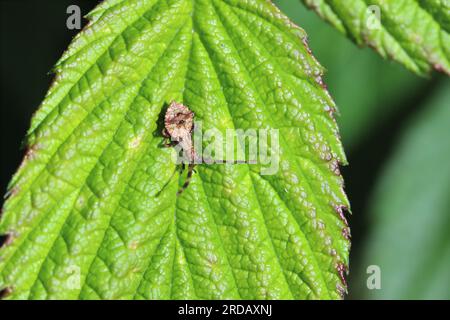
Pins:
<point x="211" y="161"/>
<point x="166" y="184"/>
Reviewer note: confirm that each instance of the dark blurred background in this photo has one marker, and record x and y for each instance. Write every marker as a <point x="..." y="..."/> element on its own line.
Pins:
<point x="382" y="105"/>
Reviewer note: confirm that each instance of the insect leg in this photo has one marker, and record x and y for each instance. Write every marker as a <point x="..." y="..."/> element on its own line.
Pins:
<point x="188" y="179"/>
<point x="169" y="144"/>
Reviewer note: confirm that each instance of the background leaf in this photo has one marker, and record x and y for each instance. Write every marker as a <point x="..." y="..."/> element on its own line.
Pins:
<point x="410" y="213"/>
<point x="367" y="89"/>
<point x="414" y="33"/>
<point x="82" y="215"/>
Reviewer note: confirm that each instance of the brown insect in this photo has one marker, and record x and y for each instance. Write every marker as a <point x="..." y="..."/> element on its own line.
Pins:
<point x="178" y="127"/>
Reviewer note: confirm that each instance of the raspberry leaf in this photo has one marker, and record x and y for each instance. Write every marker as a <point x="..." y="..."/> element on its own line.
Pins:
<point x="93" y="213"/>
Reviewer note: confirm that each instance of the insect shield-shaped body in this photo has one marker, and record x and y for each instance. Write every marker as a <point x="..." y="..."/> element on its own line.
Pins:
<point x="178" y="126"/>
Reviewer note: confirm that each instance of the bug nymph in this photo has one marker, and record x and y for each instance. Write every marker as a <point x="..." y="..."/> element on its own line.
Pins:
<point x="178" y="127"/>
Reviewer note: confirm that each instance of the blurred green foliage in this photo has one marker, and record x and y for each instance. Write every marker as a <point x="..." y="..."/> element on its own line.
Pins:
<point x="410" y="209"/>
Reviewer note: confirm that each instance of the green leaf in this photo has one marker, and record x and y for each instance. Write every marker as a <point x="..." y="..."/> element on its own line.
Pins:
<point x="414" y="33"/>
<point x="93" y="212"/>
<point x="410" y="241"/>
<point x="378" y="88"/>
